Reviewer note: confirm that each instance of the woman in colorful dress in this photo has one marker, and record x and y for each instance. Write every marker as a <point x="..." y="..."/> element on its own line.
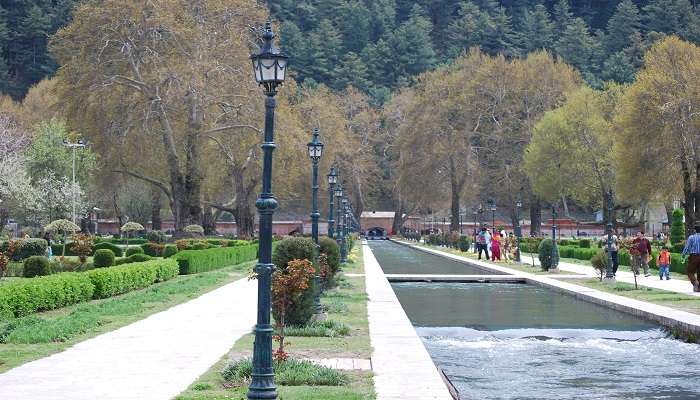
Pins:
<point x="496" y="246"/>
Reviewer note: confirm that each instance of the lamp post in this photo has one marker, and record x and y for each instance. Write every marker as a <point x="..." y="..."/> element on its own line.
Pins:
<point x="269" y="66"/>
<point x="97" y="217"/>
<point x="339" y="230"/>
<point x="315" y="148"/>
<point x="343" y="241"/>
<point x="518" y="229"/>
<point x="74" y="146"/>
<point x="332" y="180"/>
<point x="493" y="214"/>
<point x="555" y="251"/>
<point x="609" y="275"/>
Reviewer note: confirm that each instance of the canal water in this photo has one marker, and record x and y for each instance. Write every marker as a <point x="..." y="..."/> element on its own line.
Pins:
<point x="398" y="259"/>
<point x="518" y="341"/>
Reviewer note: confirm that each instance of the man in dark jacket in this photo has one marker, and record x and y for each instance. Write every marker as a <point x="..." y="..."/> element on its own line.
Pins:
<point x="643" y="247"/>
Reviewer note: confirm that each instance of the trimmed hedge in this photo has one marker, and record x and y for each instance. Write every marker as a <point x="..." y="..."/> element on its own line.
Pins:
<point x="112" y="281"/>
<point x="131" y="241"/>
<point x="26" y="296"/>
<point x="195" y="261"/>
<point x="134" y="250"/>
<point x="57" y="250"/>
<point x="133" y="259"/>
<point x="118" y="252"/>
<point x="169" y="250"/>
<point x="103" y="258"/>
<point x="36" y="266"/>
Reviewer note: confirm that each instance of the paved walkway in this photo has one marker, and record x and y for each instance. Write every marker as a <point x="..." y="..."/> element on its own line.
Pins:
<point x="674" y="285"/>
<point x="403" y="369"/>
<point x="152" y="359"/>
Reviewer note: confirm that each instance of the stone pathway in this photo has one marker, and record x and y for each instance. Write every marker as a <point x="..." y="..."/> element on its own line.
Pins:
<point x="403" y="369"/>
<point x="357" y="364"/>
<point x="152" y="359"/>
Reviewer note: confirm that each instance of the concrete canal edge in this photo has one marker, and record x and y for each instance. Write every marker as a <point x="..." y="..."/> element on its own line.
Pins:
<point x="682" y="324"/>
<point x="403" y="369"/>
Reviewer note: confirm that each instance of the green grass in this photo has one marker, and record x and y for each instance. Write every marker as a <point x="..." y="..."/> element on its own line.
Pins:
<point x="287" y="373"/>
<point x="39" y="335"/>
<point x="661" y="297"/>
<point x="211" y="385"/>
<point x="327" y="328"/>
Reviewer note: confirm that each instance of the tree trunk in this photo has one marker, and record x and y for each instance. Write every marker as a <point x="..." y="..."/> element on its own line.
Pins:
<point x="243" y="209"/>
<point x="689" y="199"/>
<point x="156" y="222"/>
<point x="456" y="190"/>
<point x="117" y="212"/>
<point x="208" y="221"/>
<point x="535" y="216"/>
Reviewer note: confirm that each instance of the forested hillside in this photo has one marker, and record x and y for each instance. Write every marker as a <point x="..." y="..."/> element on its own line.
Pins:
<point x="378" y="45"/>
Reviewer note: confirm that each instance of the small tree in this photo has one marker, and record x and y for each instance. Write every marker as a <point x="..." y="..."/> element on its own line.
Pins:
<point x="6" y="256"/>
<point x="544" y="253"/>
<point x="131" y="227"/>
<point x="64" y="227"/>
<point x="677" y="234"/>
<point x="288" y="285"/>
<point x="600" y="263"/>
<point x="82" y="246"/>
<point x="194" y="229"/>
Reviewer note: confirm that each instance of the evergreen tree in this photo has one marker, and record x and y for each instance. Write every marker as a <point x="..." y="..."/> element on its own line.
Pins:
<point x="293" y="42"/>
<point x="325" y="46"/>
<point x="670" y="16"/>
<point x="622" y="26"/>
<point x="619" y="68"/>
<point x="576" y="45"/>
<point x="352" y="71"/>
<point x="382" y="17"/>
<point x="412" y="45"/>
<point x="354" y="25"/>
<point x="537" y="29"/>
<point x="470" y="29"/>
<point x="562" y="17"/>
<point x="500" y="37"/>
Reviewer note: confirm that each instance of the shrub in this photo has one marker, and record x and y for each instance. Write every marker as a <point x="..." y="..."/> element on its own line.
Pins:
<point x="153" y="249"/>
<point x="201" y="246"/>
<point x="463" y="243"/>
<point x="327" y="328"/>
<point x="109" y="246"/>
<point x="584" y="253"/>
<point x="82" y="245"/>
<point x="36" y="266"/>
<point x="287" y="250"/>
<point x="215" y="242"/>
<point x="134" y="250"/>
<point x="289" y="285"/>
<point x="156" y="237"/>
<point x="131" y="241"/>
<point x="585" y="243"/>
<point x="169" y="250"/>
<point x="330" y="248"/>
<point x="30" y="247"/>
<point x="567" y="251"/>
<point x="678" y="247"/>
<point x="135" y="258"/>
<point x="103" y="258"/>
<point x="112" y="281"/>
<point x="25" y="296"/>
<point x="600" y="263"/>
<point x="547" y="259"/>
<point x="195" y="261"/>
<point x="677" y="233"/>
<point x="58" y="250"/>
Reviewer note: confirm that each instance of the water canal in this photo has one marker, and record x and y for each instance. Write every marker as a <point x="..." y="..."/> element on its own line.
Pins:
<point x="518" y="341"/>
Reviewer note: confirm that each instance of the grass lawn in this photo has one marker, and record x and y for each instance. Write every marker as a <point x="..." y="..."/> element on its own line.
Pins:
<point x="346" y="304"/>
<point x="39" y="335"/>
<point x="661" y="297"/>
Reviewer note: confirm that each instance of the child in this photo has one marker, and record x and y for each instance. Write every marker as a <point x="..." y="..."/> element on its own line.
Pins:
<point x="664" y="261"/>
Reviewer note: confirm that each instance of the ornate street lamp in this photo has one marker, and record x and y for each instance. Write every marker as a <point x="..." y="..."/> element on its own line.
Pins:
<point x="80" y="144"/>
<point x="269" y="67"/>
<point x="315" y="148"/>
<point x="492" y="204"/>
<point x="609" y="274"/>
<point x="339" y="221"/>
<point x="343" y="242"/>
<point x="332" y="180"/>
<point x="518" y="228"/>
<point x="555" y="251"/>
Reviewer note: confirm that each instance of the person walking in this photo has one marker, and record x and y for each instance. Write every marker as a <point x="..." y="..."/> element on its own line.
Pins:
<point x="664" y="263"/>
<point x="49" y="250"/>
<point x="643" y="247"/>
<point x="691" y="252"/>
<point x="614" y="251"/>
<point x="508" y="247"/>
<point x="496" y="247"/>
<point x="483" y="240"/>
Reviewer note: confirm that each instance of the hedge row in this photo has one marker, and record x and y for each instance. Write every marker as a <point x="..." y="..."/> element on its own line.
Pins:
<point x="195" y="261"/>
<point x="23" y="297"/>
<point x="585" y="254"/>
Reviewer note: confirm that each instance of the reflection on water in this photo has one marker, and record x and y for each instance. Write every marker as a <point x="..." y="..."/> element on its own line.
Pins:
<point x="399" y="259"/>
<point x="510" y="341"/>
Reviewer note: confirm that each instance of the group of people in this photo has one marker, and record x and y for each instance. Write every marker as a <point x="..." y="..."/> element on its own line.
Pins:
<point x="496" y="246"/>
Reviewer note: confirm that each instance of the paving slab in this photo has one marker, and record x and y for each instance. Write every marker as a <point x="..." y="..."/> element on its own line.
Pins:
<point x="402" y="366"/>
<point x="152" y="359"/>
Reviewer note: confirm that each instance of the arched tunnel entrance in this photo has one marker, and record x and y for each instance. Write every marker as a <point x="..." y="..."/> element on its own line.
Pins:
<point x="376" y="233"/>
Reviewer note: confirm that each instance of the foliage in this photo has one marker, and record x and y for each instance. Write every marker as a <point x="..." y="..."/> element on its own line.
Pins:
<point x="134" y="258"/>
<point x="156" y="237"/>
<point x="287" y="250"/>
<point x="288" y="288"/>
<point x="28" y="247"/>
<point x="330" y="248"/>
<point x="194" y="229"/>
<point x="82" y="245"/>
<point x="326" y="328"/>
<point x="153" y="249"/>
<point x="134" y="250"/>
<point x="196" y="261"/>
<point x="26" y="296"/>
<point x="62" y="225"/>
<point x="677" y="233"/>
<point x="103" y="258"/>
<point x="132" y="227"/>
<point x="116" y="250"/>
<point x="169" y="250"/>
<point x="544" y="252"/>
<point x="291" y="372"/>
<point x="116" y="280"/>
<point x="36" y="266"/>
<point x="600" y="263"/>
<point x="464" y="243"/>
